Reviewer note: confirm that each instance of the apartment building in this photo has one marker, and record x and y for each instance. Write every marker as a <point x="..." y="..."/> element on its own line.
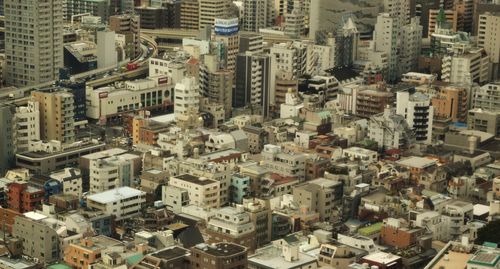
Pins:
<point x="488" y="38"/>
<point x="40" y="241"/>
<point x="129" y="26"/>
<point x="418" y="112"/>
<point x="26" y="125"/>
<point x="319" y="195"/>
<point x="232" y="225"/>
<point x="216" y="83"/>
<point x="209" y="10"/>
<point x="221" y="256"/>
<point x="257" y="14"/>
<point x="36" y="55"/>
<point x="389" y="130"/>
<point x="88" y="251"/>
<point x="472" y="65"/>
<point x="451" y="102"/>
<point x="202" y="191"/>
<point x="70" y="179"/>
<point x="112" y="172"/>
<point x="22" y="197"/>
<point x="56" y="115"/>
<point x="284" y="164"/>
<point x="122" y="202"/>
<point x="487" y="96"/>
<point x="190" y="15"/>
<point x="484" y="120"/>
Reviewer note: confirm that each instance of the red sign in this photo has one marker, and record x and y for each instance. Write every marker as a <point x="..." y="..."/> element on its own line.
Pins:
<point x="103" y="95"/>
<point x="162" y="80"/>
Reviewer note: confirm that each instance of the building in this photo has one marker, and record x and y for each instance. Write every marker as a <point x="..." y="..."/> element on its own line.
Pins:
<point x="80" y="56"/>
<point x="294" y="23"/>
<point x="383" y="260"/>
<point x="451" y="102"/>
<point x="221" y="256"/>
<point x="227" y="32"/>
<point x="398" y="233"/>
<point x="171" y="257"/>
<point x="257" y="14"/>
<point x="253" y="82"/>
<point x="484" y="120"/>
<point x="53" y="156"/>
<point x="437" y="16"/>
<point x="252" y="42"/>
<point x="35" y="56"/>
<point x="488" y="38"/>
<point x="26" y="125"/>
<point x="338" y="255"/>
<point x="56" y="115"/>
<point x="40" y="241"/>
<point x="122" y="202"/>
<point x="71" y="180"/>
<point x="106" y="49"/>
<point x="174" y="198"/>
<point x="369" y="102"/>
<point x="98" y="8"/>
<point x="88" y="251"/>
<point x="22" y="197"/>
<point x="473" y="65"/>
<point x="112" y="172"/>
<point x="418" y="112"/>
<point x="217" y="84"/>
<point x="187" y="102"/>
<point x="284" y="164"/>
<point x="209" y="10"/>
<point x="202" y="191"/>
<point x="190" y="15"/>
<point x="129" y="26"/>
<point x="387" y="40"/>
<point x="390" y="131"/>
<point x="487" y="96"/>
<point x="319" y="195"/>
<point x="232" y="225"/>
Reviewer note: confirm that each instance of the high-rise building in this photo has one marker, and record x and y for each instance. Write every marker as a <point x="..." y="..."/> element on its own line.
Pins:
<point x="187" y="101"/>
<point x="216" y="83"/>
<point x="251" y="42"/>
<point x="400" y="9"/>
<point x="33" y="41"/>
<point x="257" y="14"/>
<point x="409" y="51"/>
<point x="437" y="16"/>
<point x="26" y="125"/>
<point x="56" y="115"/>
<point x="253" y="82"/>
<point x="99" y="8"/>
<point x="488" y="37"/>
<point x="7" y="144"/>
<point x="418" y="112"/>
<point x="386" y="37"/>
<point x="294" y="23"/>
<point x="226" y="31"/>
<point x="129" y="26"/>
<point x="346" y="42"/>
<point x="210" y="10"/>
<point x="190" y="14"/>
<point x="466" y="66"/>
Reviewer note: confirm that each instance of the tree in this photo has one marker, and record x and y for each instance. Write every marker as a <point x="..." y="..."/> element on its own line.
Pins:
<point x="489" y="233"/>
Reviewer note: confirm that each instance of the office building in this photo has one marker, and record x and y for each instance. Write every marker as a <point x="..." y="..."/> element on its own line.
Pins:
<point x="488" y="38"/>
<point x="418" y="112"/>
<point x="57" y="112"/>
<point x="253" y="82"/>
<point x="252" y="42"/>
<point x="98" y="8"/>
<point x="122" y="202"/>
<point x="190" y="15"/>
<point x="36" y="55"/>
<point x="80" y="56"/>
<point x="187" y="102"/>
<point x="40" y="241"/>
<point x="257" y="14"/>
<point x="129" y="26"/>
<point x="227" y="32"/>
<point x="346" y="42"/>
<point x="209" y="10"/>
<point x="484" y="120"/>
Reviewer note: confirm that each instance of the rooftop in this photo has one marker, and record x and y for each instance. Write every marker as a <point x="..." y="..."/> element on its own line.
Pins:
<point x="115" y="195"/>
<point x="171" y="253"/>
<point x="417" y="162"/>
<point x="221" y="249"/>
<point x="195" y="179"/>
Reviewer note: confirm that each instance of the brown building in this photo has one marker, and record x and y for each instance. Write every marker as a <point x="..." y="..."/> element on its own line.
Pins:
<point x="338" y="255"/>
<point x="86" y="252"/>
<point x="190" y="16"/>
<point x="371" y="102"/>
<point x="284" y="82"/>
<point x="315" y="168"/>
<point x="397" y="233"/>
<point x="24" y="198"/>
<point x="8" y="218"/>
<point x="257" y="138"/>
<point x="451" y="18"/>
<point x="148" y="134"/>
<point x="129" y="26"/>
<point x="451" y="103"/>
<point x="218" y="256"/>
<point x="64" y="202"/>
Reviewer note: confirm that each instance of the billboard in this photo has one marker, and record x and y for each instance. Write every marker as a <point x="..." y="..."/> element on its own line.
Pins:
<point x="226" y="26"/>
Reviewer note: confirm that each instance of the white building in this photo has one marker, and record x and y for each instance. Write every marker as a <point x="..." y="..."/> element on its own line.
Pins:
<point x="202" y="191"/>
<point x="71" y="180"/>
<point x="174" y="198"/>
<point x="234" y="222"/>
<point x="289" y="57"/>
<point x="149" y="93"/>
<point x="411" y="39"/>
<point x="26" y="126"/>
<point x="418" y="112"/>
<point x="386" y="37"/>
<point x="487" y="96"/>
<point x="123" y="202"/>
<point x="291" y="107"/>
<point x="257" y="14"/>
<point x="284" y="164"/>
<point x="389" y="130"/>
<point x="357" y="153"/>
<point x="111" y="172"/>
<point x="464" y="67"/>
<point x="294" y="23"/>
<point x="187" y="100"/>
<point x="173" y="69"/>
<point x="106" y="49"/>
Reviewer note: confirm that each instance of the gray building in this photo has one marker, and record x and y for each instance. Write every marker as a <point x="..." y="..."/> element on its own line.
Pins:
<point x="252" y="42"/>
<point x="99" y="8"/>
<point x="320" y="195"/>
<point x="39" y="240"/>
<point x="7" y="148"/>
<point x="257" y="14"/>
<point x="36" y="55"/>
<point x="484" y="120"/>
<point x="253" y="82"/>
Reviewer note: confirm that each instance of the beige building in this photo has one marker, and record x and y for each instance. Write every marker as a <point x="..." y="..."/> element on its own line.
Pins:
<point x="488" y="37"/>
<point x="56" y="115"/>
<point x="33" y="41"/>
<point x="451" y="16"/>
<point x="451" y="103"/>
<point x="190" y="14"/>
<point x="210" y="10"/>
<point x="39" y="240"/>
<point x="484" y="120"/>
<point x="129" y="26"/>
<point x="319" y="195"/>
<point x="217" y="84"/>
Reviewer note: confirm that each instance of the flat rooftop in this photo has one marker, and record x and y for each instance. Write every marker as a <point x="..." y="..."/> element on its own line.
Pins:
<point x="221" y="249"/>
<point x="452" y="260"/>
<point x="195" y="179"/>
<point x="417" y="162"/>
<point x="115" y="195"/>
<point x="171" y="253"/>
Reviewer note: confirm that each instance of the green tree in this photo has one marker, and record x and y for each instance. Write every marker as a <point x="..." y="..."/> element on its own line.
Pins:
<point x="489" y="233"/>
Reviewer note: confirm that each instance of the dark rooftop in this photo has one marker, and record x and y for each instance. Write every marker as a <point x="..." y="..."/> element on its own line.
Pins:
<point x="171" y="253"/>
<point x="220" y="249"/>
<point x="343" y="73"/>
<point x="195" y="179"/>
